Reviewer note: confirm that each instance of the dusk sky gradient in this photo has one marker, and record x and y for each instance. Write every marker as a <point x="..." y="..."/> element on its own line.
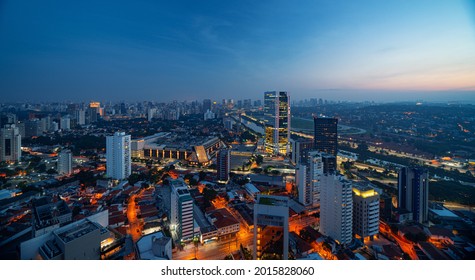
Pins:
<point x="191" y="50"/>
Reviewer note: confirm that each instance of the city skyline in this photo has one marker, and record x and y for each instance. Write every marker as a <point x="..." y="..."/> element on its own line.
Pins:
<point x="369" y="50"/>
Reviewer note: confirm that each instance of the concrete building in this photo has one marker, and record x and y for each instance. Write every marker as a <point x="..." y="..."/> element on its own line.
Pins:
<point x="65" y="162"/>
<point x="336" y="208"/>
<point x="365" y="211"/>
<point x="118" y="156"/>
<point x="413" y="193"/>
<point x="223" y="164"/>
<point x="154" y="246"/>
<point x="277" y="122"/>
<point x="299" y="148"/>
<point x="271" y="227"/>
<point x="181" y="210"/>
<point x="10" y="143"/>
<point x="308" y="177"/>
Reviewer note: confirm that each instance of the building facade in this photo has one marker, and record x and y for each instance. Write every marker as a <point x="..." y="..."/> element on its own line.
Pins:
<point x="336" y="208"/>
<point x="223" y="164"/>
<point x="118" y="156"/>
<point x="365" y="212"/>
<point x="326" y="135"/>
<point x="277" y="122"/>
<point x="413" y="192"/>
<point x="65" y="162"/>
<point x="181" y="210"/>
<point x="10" y="143"/>
<point x="271" y="227"/>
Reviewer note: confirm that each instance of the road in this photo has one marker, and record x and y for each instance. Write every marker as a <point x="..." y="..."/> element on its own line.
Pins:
<point x="216" y="250"/>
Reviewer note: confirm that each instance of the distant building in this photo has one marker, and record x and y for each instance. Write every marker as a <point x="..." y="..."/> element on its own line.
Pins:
<point x="10" y="143"/>
<point x="209" y="115"/>
<point x="336" y="208"/>
<point x="271" y="227"/>
<point x="80" y="117"/>
<point x="65" y="123"/>
<point x="326" y="135"/>
<point x="65" y="162"/>
<point x="206" y="105"/>
<point x="277" y="122"/>
<point x="413" y="193"/>
<point x="223" y="164"/>
<point x="181" y="210"/>
<point x="118" y="156"/>
<point x="365" y="211"/>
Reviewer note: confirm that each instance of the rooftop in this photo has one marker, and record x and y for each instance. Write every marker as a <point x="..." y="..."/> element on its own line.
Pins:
<point x="77" y="231"/>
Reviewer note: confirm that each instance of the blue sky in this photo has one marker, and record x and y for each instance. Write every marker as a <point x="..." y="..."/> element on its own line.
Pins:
<point x="191" y="50"/>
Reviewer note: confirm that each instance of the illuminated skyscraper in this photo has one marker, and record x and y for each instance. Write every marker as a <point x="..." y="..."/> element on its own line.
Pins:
<point x="277" y="122"/>
<point x="118" y="156"/>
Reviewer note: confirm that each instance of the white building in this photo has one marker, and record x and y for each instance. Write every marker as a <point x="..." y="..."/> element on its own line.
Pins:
<point x="181" y="210"/>
<point x="65" y="162"/>
<point x="365" y="211"/>
<point x="118" y="156"/>
<point x="209" y="115"/>
<point x="336" y="208"/>
<point x="10" y="143"/>
<point x="81" y="117"/>
<point x="308" y="179"/>
<point x="65" y="123"/>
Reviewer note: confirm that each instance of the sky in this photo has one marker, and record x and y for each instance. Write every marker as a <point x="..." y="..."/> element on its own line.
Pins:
<point x="191" y="50"/>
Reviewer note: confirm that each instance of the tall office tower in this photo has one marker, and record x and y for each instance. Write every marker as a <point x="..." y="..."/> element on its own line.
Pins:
<point x="65" y="162"/>
<point x="118" y="156"/>
<point x="336" y="208"/>
<point x="181" y="210"/>
<point x="326" y="135"/>
<point x="206" y="105"/>
<point x="65" y="123"/>
<point x="277" y="122"/>
<point x="299" y="148"/>
<point x="223" y="164"/>
<point x="10" y="143"/>
<point x="413" y="188"/>
<point x="80" y="116"/>
<point x="365" y="211"/>
<point x="271" y="227"/>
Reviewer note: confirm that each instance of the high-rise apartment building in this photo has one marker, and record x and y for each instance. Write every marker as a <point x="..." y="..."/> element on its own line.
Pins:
<point x="118" y="156"/>
<point x="336" y="208"/>
<point x="326" y="135"/>
<point x="181" y="210"/>
<point x="365" y="211"/>
<point x="223" y="164"/>
<point x="10" y="143"/>
<point x="271" y="227"/>
<point x="65" y="162"/>
<point x="277" y="122"/>
<point x="413" y="192"/>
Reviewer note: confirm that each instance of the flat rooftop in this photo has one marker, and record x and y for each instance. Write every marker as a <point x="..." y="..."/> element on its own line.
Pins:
<point x="77" y="231"/>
